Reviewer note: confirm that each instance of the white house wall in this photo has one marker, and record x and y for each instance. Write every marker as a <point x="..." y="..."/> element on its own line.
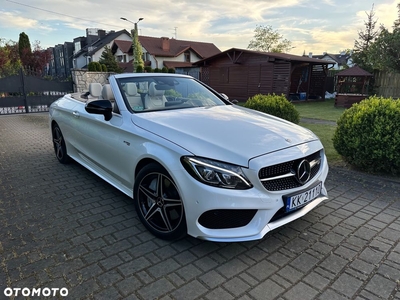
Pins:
<point x="158" y="62"/>
<point x="124" y="37"/>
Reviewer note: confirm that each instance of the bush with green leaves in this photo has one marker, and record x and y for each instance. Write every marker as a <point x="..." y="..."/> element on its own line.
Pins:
<point x="171" y="70"/>
<point x="139" y="69"/>
<point x="276" y="105"/>
<point x="368" y="135"/>
<point x="164" y="70"/>
<point x="148" y="69"/>
<point x="103" y="68"/>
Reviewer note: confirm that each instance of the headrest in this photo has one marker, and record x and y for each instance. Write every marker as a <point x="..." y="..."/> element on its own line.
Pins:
<point x="153" y="91"/>
<point x="106" y="92"/>
<point x="131" y="89"/>
<point x="95" y="89"/>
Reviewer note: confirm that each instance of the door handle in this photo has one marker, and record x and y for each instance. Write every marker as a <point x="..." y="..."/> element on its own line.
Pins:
<point x="75" y="114"/>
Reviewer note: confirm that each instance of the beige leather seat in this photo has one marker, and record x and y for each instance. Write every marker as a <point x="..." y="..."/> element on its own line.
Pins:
<point x="134" y="99"/>
<point x="107" y="94"/>
<point x="155" y="98"/>
<point x="95" y="89"/>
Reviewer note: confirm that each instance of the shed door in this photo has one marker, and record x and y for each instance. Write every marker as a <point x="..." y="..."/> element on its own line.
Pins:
<point x="260" y="79"/>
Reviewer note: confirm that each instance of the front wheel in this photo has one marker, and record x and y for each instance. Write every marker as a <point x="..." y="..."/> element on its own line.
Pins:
<point x="60" y="149"/>
<point x="158" y="203"/>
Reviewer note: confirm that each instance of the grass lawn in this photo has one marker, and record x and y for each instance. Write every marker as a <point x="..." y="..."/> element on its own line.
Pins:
<point x="325" y="134"/>
<point x="324" y="110"/>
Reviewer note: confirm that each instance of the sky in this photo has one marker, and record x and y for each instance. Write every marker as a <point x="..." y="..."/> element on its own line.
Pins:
<point x="315" y="26"/>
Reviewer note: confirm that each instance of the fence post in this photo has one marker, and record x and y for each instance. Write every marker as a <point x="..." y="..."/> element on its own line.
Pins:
<point x="21" y="71"/>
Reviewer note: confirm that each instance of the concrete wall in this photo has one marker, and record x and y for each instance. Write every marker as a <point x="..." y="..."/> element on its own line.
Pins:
<point x="82" y="78"/>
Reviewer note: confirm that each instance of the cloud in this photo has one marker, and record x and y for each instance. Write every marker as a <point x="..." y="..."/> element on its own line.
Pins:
<point x="11" y="20"/>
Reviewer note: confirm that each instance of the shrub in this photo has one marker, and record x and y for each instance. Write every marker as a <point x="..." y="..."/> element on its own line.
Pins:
<point x="368" y="135"/>
<point x="275" y="105"/>
<point x="139" y="69"/>
<point x="164" y="70"/>
<point x="103" y="68"/>
<point x="171" y="70"/>
<point x="157" y="70"/>
<point x="148" y="69"/>
<point x="92" y="66"/>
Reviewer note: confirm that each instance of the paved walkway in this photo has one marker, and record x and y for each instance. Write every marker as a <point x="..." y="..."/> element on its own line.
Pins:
<point x="62" y="227"/>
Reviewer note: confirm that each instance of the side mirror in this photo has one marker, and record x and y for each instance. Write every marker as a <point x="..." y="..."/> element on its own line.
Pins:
<point x="100" y="107"/>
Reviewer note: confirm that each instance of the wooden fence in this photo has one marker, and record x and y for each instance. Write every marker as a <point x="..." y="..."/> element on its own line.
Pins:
<point x="387" y="84"/>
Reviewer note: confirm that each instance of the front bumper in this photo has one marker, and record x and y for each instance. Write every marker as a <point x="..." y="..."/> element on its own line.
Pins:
<point x="200" y="198"/>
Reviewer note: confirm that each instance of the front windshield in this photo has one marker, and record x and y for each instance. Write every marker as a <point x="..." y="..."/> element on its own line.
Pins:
<point x="165" y="92"/>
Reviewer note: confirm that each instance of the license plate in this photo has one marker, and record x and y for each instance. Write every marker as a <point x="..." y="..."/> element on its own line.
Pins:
<point x="296" y="201"/>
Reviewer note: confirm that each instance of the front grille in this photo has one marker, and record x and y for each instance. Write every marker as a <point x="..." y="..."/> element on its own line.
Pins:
<point x="226" y="218"/>
<point x="283" y="176"/>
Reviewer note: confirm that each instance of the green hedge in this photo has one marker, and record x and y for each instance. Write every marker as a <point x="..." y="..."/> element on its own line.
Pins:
<point x="368" y="135"/>
<point x="276" y="105"/>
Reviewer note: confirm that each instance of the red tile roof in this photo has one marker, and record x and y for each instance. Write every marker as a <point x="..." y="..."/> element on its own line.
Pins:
<point x="177" y="64"/>
<point x="124" y="46"/>
<point x="155" y="47"/>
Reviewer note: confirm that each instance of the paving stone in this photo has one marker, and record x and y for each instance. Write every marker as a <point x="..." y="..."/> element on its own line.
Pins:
<point x="156" y="290"/>
<point x="236" y="286"/>
<point x="267" y="287"/>
<point x="301" y="291"/>
<point x="191" y="290"/>
<point x="347" y="285"/>
<point x="381" y="286"/>
<point x="220" y="294"/>
<point x="62" y="225"/>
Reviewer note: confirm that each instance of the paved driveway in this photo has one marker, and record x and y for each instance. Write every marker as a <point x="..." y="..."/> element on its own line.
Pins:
<point x="63" y="228"/>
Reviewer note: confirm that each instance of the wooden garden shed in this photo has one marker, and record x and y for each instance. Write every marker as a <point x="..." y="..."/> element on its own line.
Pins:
<point x="241" y="74"/>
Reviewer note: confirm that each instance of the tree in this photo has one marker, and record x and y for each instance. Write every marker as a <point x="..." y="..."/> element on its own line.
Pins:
<point x="138" y="62"/>
<point x="9" y="58"/>
<point x="397" y="22"/>
<point x="108" y="59"/>
<point x="366" y="37"/>
<point x="39" y="58"/>
<point x="267" y="39"/>
<point x="384" y="52"/>
<point x="24" y="49"/>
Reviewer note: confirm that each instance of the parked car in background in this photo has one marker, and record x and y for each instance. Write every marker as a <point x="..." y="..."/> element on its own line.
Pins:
<point x="193" y="162"/>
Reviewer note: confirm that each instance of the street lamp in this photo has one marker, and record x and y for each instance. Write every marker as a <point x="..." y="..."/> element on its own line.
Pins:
<point x="137" y="48"/>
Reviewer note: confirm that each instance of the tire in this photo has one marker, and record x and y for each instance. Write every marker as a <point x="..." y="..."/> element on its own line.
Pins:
<point x="158" y="203"/>
<point x="60" y="149"/>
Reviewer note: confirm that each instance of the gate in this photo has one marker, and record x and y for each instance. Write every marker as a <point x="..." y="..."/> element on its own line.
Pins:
<point x="26" y="93"/>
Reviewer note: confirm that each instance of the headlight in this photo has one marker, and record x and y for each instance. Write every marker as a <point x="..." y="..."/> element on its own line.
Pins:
<point x="216" y="173"/>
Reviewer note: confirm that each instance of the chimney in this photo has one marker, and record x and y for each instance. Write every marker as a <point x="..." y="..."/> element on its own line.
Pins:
<point x="165" y="44"/>
<point x="310" y="55"/>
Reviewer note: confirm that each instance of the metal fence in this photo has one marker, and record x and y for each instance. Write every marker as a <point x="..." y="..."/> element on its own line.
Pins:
<point x="26" y="92"/>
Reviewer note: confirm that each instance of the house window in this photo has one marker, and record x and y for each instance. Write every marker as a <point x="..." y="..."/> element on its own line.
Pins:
<point x="187" y="56"/>
<point x="120" y="58"/>
<point x="62" y="58"/>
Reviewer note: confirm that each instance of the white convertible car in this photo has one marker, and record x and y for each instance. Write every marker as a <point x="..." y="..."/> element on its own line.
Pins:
<point x="193" y="162"/>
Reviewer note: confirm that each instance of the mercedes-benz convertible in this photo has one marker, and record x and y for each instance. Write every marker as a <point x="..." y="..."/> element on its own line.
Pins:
<point x="192" y="161"/>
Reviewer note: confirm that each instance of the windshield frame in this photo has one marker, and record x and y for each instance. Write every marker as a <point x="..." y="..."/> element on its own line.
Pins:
<point x="173" y="98"/>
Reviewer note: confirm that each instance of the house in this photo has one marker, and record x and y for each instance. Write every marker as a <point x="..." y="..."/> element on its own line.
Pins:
<point x="166" y="52"/>
<point x="61" y="60"/>
<point x="91" y="47"/>
<point x="241" y="74"/>
<point x="341" y="61"/>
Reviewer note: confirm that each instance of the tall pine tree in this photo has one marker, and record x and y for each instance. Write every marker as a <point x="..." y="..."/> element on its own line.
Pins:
<point x="108" y="59"/>
<point x="24" y="49"/>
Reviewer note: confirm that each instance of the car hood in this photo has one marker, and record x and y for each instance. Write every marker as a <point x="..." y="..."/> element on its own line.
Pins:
<point x="227" y="133"/>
